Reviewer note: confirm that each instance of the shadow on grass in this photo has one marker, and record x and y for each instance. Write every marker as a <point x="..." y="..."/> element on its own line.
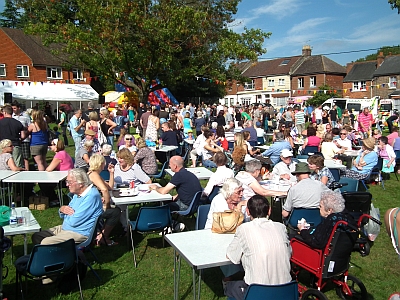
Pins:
<point x="34" y="289"/>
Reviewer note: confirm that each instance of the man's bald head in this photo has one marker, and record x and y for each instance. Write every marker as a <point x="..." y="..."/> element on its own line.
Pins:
<point x="177" y="161"/>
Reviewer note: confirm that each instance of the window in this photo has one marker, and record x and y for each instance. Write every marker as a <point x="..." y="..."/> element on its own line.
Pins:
<point x="54" y="73"/>
<point x="22" y="71"/>
<point x="78" y="74"/>
<point x="282" y="81"/>
<point x="300" y="83"/>
<point x="359" y="86"/>
<point x="285" y="62"/>
<point x="313" y="81"/>
<point x="392" y="82"/>
<point x="2" y="70"/>
<point x="249" y="86"/>
<point x="271" y="82"/>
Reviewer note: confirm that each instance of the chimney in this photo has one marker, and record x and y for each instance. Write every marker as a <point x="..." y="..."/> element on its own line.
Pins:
<point x="379" y="60"/>
<point x="349" y="66"/>
<point x="306" y="51"/>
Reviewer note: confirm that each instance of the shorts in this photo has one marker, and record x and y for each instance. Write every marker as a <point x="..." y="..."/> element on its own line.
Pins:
<point x="26" y="150"/>
<point x="39" y="150"/>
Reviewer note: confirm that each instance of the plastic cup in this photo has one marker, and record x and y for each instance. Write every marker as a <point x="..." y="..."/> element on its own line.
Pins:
<point x="26" y="214"/>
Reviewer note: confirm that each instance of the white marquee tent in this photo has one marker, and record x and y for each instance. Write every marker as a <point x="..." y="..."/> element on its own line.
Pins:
<point x="30" y="92"/>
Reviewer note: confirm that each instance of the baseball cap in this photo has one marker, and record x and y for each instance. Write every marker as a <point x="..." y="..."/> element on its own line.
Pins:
<point x="286" y="153"/>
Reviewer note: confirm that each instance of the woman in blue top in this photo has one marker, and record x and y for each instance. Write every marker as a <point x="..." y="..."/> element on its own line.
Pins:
<point x="187" y="123"/>
<point x="39" y="139"/>
<point x="365" y="161"/>
<point x="131" y="114"/>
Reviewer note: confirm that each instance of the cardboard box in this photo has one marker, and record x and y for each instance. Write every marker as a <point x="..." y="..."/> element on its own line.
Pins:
<point x="38" y="202"/>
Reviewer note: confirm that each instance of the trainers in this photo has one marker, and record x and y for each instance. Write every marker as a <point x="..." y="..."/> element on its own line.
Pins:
<point x="167" y="230"/>
<point x="179" y="227"/>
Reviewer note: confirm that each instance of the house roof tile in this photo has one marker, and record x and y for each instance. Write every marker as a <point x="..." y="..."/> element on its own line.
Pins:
<point x="318" y="64"/>
<point x="279" y="66"/>
<point x="390" y="66"/>
<point x="361" y="72"/>
<point x="32" y="46"/>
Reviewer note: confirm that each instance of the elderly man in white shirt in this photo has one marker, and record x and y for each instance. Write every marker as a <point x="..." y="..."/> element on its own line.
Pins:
<point x="345" y="144"/>
<point x="284" y="168"/>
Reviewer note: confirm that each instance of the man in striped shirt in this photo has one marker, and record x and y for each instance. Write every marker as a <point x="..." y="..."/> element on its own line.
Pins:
<point x="300" y="121"/>
<point x="365" y="122"/>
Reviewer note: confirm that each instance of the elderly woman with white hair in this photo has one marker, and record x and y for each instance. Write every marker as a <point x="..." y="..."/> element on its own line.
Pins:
<point x="106" y="150"/>
<point x="228" y="198"/>
<point x="332" y="210"/>
<point x="83" y="155"/>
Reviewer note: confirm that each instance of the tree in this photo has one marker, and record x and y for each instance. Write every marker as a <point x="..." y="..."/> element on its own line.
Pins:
<point x="324" y="93"/>
<point x="10" y="17"/>
<point x="386" y="50"/>
<point x="395" y="4"/>
<point x="135" y="42"/>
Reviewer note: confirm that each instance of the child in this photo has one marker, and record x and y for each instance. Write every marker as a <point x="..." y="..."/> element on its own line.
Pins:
<point x="190" y="134"/>
<point x="56" y="133"/>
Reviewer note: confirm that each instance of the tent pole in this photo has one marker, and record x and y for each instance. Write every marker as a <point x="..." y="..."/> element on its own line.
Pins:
<point x="58" y="117"/>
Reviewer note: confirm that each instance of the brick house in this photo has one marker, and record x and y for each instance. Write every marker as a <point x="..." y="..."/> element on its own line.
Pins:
<point x="386" y="77"/>
<point x="268" y="81"/>
<point x="312" y="71"/>
<point x="26" y="65"/>
<point x="24" y="58"/>
<point x="372" y="78"/>
<point x="358" y="81"/>
<point x="278" y="80"/>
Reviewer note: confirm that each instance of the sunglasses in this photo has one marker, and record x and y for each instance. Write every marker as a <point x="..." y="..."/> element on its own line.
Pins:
<point x="128" y="139"/>
<point x="342" y="133"/>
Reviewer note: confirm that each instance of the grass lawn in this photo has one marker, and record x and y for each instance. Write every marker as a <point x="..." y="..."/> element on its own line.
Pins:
<point x="153" y="278"/>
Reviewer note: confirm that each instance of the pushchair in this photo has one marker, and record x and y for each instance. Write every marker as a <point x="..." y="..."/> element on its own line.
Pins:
<point x="331" y="264"/>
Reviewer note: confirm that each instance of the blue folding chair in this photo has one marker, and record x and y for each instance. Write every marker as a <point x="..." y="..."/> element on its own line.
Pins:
<point x="287" y="291"/>
<point x="351" y="185"/>
<point x="192" y="207"/>
<point x="214" y="192"/>
<point x="150" y="219"/>
<point x="376" y="171"/>
<point x="48" y="260"/>
<point x="202" y="213"/>
<point x="161" y="174"/>
<point x="335" y="174"/>
<point x="310" y="149"/>
<point x="105" y="175"/>
<point x="86" y="245"/>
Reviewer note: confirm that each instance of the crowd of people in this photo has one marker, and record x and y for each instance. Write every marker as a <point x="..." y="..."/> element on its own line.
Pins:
<point x="224" y="138"/>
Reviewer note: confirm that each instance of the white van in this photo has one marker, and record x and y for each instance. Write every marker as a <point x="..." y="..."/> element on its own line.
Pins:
<point x="355" y="105"/>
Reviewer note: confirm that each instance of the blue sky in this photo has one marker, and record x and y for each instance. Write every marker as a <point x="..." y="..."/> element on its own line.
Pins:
<point x="327" y="26"/>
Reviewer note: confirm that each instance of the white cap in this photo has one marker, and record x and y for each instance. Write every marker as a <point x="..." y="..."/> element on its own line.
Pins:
<point x="286" y="153"/>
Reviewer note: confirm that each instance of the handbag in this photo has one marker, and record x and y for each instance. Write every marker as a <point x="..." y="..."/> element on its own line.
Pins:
<point x="5" y="212"/>
<point x="100" y="136"/>
<point x="227" y="221"/>
<point x="385" y="169"/>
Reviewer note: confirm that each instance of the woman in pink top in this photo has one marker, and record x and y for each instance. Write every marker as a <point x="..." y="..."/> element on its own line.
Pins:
<point x="311" y="140"/>
<point x="61" y="161"/>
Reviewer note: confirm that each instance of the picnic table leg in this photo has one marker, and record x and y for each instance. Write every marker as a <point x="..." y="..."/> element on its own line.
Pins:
<point x="177" y="273"/>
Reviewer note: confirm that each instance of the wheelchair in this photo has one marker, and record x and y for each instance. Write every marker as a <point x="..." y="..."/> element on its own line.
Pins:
<point x="331" y="264"/>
